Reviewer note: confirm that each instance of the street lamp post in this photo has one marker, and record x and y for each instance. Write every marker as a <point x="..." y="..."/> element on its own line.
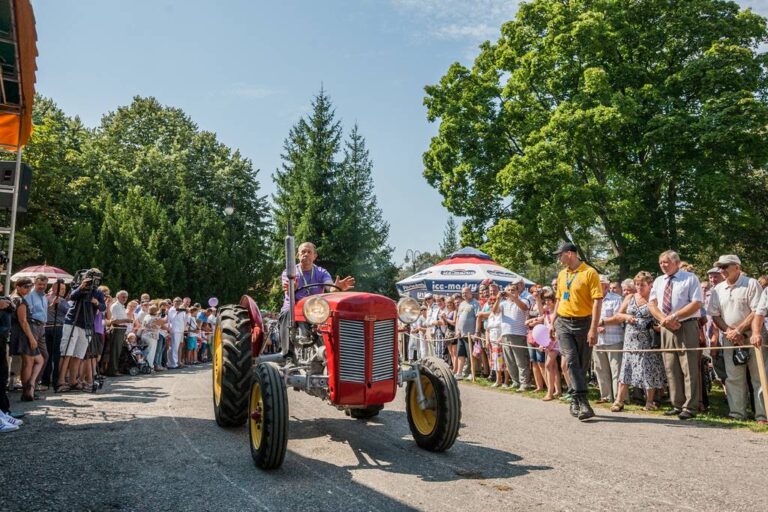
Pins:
<point x="413" y="256"/>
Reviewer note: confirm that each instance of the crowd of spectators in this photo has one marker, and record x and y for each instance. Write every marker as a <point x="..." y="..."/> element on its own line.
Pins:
<point x="68" y="340"/>
<point x="491" y="333"/>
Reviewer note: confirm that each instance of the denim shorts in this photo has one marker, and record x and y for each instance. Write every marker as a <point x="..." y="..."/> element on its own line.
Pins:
<point x="537" y="356"/>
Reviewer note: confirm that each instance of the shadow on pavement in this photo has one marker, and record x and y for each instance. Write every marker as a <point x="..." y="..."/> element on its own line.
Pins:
<point x="377" y="445"/>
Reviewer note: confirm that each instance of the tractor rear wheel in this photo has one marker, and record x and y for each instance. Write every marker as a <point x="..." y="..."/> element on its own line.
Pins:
<point x="365" y="413"/>
<point x="268" y="417"/>
<point x="436" y="427"/>
<point x="231" y="366"/>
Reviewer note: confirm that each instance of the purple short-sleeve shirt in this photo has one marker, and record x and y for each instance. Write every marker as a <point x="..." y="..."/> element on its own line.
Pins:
<point x="317" y="276"/>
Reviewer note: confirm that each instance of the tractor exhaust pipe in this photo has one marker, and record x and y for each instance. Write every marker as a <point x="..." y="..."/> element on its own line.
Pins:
<point x="290" y="272"/>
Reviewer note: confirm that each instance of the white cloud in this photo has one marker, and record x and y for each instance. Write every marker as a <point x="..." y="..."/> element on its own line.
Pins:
<point x="469" y="20"/>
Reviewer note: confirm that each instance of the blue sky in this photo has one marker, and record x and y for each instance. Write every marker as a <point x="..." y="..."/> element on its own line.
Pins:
<point x="247" y="71"/>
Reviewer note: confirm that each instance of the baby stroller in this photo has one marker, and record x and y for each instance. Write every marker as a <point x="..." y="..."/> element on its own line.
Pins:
<point x="133" y="360"/>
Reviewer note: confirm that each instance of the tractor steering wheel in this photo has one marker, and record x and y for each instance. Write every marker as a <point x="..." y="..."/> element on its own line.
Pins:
<point x="316" y="285"/>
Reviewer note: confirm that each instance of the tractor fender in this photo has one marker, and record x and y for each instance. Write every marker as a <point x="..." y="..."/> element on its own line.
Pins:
<point x="257" y="324"/>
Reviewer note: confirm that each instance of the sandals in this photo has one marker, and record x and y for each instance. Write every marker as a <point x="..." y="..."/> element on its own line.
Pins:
<point x="548" y="398"/>
<point x="28" y="393"/>
<point x="617" y="407"/>
<point x="62" y="388"/>
<point x="650" y="406"/>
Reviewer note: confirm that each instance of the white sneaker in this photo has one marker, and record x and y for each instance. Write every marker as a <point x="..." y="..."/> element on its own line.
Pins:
<point x="504" y="386"/>
<point x="7" y="427"/>
<point x="495" y="385"/>
<point x="10" y="419"/>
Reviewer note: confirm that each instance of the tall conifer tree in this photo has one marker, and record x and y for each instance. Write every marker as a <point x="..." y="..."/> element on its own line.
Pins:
<point x="331" y="202"/>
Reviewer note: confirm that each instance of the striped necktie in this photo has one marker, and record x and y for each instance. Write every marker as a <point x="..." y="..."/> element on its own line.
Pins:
<point x="666" y="306"/>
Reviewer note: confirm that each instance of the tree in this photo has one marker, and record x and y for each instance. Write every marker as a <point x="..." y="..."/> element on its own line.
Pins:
<point x="421" y="261"/>
<point x="143" y="197"/>
<point x="306" y="183"/>
<point x="361" y="233"/>
<point x="638" y="123"/>
<point x="450" y="241"/>
<point x="331" y="202"/>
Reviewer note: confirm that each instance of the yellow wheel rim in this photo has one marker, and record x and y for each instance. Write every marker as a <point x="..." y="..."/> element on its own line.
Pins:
<point x="218" y="363"/>
<point x="425" y="420"/>
<point x="256" y="416"/>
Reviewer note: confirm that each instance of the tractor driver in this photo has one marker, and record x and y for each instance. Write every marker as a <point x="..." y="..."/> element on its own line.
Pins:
<point x="307" y="273"/>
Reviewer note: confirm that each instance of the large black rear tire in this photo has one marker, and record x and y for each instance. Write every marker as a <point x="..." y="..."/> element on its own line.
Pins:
<point x="231" y="366"/>
<point x="268" y="417"/>
<point x="436" y="428"/>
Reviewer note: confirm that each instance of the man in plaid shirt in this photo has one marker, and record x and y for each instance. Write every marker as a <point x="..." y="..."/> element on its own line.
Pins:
<point x="609" y="336"/>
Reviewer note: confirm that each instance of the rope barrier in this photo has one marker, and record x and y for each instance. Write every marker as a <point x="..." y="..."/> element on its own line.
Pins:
<point x="759" y="356"/>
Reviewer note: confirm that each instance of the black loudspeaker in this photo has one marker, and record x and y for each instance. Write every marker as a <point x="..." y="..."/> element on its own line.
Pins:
<point x="7" y="169"/>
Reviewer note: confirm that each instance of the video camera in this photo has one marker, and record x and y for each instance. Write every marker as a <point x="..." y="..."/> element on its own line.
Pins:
<point x="3" y="258"/>
<point x="93" y="274"/>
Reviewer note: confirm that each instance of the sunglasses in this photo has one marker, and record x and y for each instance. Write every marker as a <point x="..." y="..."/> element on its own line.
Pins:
<point x="30" y="285"/>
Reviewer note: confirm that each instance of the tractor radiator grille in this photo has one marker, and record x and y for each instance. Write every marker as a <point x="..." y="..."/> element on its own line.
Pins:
<point x="352" y="351"/>
<point x="383" y="350"/>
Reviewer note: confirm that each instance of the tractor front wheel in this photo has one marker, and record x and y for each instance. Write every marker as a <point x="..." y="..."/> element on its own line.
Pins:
<point x="436" y="427"/>
<point x="232" y="362"/>
<point x="268" y="417"/>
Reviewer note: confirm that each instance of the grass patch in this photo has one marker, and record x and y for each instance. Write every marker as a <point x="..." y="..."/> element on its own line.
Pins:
<point x="717" y="415"/>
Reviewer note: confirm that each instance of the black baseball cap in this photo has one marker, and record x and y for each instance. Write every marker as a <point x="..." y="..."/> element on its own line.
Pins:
<point x="566" y="247"/>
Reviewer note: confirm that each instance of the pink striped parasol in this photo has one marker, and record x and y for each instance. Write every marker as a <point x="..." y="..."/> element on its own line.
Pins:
<point x="52" y="273"/>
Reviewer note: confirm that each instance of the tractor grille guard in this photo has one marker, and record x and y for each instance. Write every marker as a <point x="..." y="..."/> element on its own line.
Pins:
<point x="352" y="358"/>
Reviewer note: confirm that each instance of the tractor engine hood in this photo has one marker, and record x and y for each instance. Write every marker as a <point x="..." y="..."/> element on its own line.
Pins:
<point x="354" y="306"/>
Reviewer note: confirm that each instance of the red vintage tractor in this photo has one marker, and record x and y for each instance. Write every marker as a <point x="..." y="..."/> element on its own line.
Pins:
<point x="341" y="347"/>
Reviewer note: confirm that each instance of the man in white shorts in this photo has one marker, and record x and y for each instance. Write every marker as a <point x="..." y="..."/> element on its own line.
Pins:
<point x="74" y="338"/>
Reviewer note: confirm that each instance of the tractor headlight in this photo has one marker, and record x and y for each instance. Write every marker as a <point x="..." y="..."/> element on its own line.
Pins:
<point x="316" y="310"/>
<point x="408" y="310"/>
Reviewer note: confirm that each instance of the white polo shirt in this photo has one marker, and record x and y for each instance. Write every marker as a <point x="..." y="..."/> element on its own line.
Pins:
<point x="686" y="288"/>
<point x="513" y="317"/>
<point x="734" y="302"/>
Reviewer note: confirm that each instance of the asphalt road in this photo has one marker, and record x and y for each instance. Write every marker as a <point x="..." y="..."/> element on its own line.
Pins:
<point x="150" y="443"/>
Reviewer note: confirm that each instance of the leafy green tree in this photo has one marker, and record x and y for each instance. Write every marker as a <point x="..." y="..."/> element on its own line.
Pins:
<point x="644" y="121"/>
<point x="450" y="241"/>
<point x="144" y="197"/>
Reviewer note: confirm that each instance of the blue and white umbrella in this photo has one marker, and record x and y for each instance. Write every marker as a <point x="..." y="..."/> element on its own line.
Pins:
<point x="465" y="267"/>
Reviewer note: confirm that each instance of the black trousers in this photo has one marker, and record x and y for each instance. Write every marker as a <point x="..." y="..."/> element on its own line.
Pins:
<point x="5" y="405"/>
<point x="53" y="342"/>
<point x="572" y="337"/>
<point x="114" y="340"/>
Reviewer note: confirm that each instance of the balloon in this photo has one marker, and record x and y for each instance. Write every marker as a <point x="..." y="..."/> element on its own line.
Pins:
<point x="213" y="302"/>
<point x="541" y="335"/>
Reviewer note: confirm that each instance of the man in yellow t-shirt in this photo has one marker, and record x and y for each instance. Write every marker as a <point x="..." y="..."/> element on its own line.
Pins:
<point x="577" y="314"/>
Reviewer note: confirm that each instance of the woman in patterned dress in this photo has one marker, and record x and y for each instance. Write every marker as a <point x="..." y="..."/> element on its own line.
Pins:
<point x="639" y="369"/>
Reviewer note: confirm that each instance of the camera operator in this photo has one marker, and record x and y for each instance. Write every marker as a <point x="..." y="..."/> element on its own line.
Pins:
<point x="57" y="310"/>
<point x="78" y="327"/>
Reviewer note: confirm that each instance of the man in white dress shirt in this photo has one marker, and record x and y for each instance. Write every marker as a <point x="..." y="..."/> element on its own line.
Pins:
<point x="676" y="301"/>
